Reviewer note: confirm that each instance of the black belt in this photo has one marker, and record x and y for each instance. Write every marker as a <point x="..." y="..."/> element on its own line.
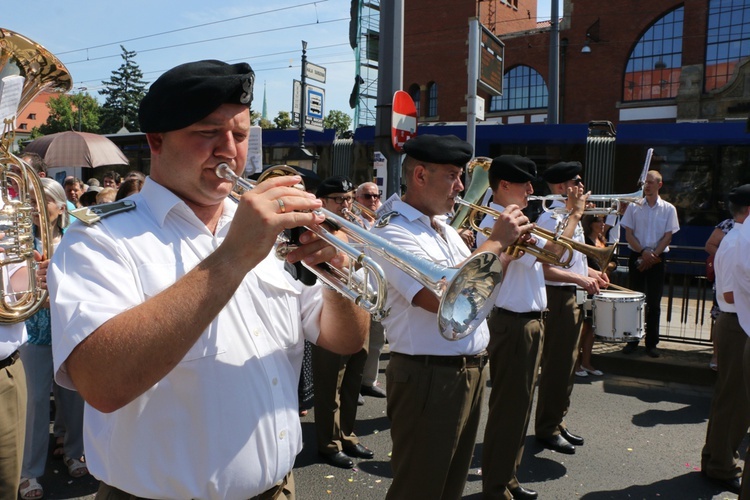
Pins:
<point x="468" y="361"/>
<point x="117" y="493"/>
<point x="528" y="315"/>
<point x="9" y="360"/>
<point x="565" y="288"/>
<point x="726" y="312"/>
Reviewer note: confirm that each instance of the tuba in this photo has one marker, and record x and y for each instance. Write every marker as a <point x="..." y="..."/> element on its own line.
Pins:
<point x="41" y="71"/>
<point x="479" y="171"/>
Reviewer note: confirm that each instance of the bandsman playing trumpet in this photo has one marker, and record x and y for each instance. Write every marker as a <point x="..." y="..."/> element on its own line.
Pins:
<point x="562" y="335"/>
<point x="435" y="386"/>
<point x="187" y="350"/>
<point x="516" y="327"/>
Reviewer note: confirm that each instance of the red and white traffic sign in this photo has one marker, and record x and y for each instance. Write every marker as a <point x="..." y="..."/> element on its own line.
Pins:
<point x="403" y="121"/>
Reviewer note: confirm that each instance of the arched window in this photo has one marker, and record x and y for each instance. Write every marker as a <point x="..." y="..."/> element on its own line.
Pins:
<point x="416" y="95"/>
<point x="727" y="41"/>
<point x="432" y="99"/>
<point x="654" y="66"/>
<point x="523" y="88"/>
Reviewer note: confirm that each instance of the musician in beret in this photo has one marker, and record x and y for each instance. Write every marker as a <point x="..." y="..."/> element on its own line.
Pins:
<point x="730" y="407"/>
<point x="435" y="386"/>
<point x="562" y="333"/>
<point x="188" y="349"/>
<point x="649" y="226"/>
<point x="516" y="327"/>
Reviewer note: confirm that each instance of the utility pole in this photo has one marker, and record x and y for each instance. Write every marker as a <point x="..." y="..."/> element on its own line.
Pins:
<point x="554" y="65"/>
<point x="390" y="79"/>
<point x="302" y="110"/>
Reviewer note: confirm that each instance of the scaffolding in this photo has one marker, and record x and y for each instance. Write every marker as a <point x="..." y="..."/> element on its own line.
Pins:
<point x="367" y="54"/>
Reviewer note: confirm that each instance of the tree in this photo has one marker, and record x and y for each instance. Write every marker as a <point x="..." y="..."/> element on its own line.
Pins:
<point x="256" y="119"/>
<point x="283" y="120"/>
<point x="124" y="92"/>
<point x="338" y="120"/>
<point x="64" y="115"/>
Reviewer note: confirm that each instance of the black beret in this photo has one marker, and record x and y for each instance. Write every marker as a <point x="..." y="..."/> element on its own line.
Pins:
<point x="562" y="172"/>
<point x="740" y="195"/>
<point x="190" y="92"/>
<point x="513" y="168"/>
<point x="439" y="149"/>
<point x="335" y="184"/>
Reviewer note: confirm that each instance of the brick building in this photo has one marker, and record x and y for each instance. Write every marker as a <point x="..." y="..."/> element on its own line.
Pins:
<point x="620" y="61"/>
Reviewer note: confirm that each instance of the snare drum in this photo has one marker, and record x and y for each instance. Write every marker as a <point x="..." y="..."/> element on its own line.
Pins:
<point x="619" y="316"/>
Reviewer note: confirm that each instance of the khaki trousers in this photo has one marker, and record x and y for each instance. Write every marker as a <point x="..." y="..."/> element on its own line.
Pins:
<point x="515" y="352"/>
<point x="730" y="409"/>
<point x="434" y="412"/>
<point x="12" y="427"/>
<point x="561" y="336"/>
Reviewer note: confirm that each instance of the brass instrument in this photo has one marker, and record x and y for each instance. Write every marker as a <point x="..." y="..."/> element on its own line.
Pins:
<point x="361" y="210"/>
<point x="611" y="203"/>
<point x="41" y="71"/>
<point x="601" y="255"/>
<point x="479" y="170"/>
<point x="467" y="294"/>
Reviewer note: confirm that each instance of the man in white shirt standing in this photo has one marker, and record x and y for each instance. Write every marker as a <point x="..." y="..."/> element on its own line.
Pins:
<point x="435" y="386"/>
<point x="649" y="227"/>
<point x="730" y="408"/>
<point x="188" y="349"/>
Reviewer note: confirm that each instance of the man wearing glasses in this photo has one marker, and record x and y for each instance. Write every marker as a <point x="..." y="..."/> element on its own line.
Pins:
<point x="337" y="379"/>
<point x="563" y="330"/>
<point x="368" y="195"/>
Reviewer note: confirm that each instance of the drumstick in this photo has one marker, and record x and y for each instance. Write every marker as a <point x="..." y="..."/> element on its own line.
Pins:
<point x="621" y="288"/>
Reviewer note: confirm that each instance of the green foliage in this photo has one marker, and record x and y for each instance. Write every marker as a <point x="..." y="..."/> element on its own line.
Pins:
<point x="256" y="119"/>
<point x="70" y="112"/>
<point x="124" y="91"/>
<point x="283" y="120"/>
<point x="337" y="120"/>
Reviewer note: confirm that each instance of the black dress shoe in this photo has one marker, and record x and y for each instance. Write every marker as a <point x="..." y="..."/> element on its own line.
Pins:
<point x="373" y="391"/>
<point x="359" y="451"/>
<point x="732" y="485"/>
<point x="570" y="437"/>
<point x="338" y="459"/>
<point x="519" y="492"/>
<point x="630" y="347"/>
<point x="557" y="443"/>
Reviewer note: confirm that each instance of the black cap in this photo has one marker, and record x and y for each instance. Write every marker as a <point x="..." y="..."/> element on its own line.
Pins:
<point x="562" y="172"/>
<point x="439" y="149"/>
<point x="190" y="92"/>
<point x="513" y="168"/>
<point x="740" y="196"/>
<point x="335" y="184"/>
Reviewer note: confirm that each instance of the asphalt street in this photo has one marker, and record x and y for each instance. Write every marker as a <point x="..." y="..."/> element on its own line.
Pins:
<point x="643" y="440"/>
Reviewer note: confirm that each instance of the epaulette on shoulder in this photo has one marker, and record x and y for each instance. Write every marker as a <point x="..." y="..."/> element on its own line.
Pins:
<point x="385" y="219"/>
<point x="93" y="214"/>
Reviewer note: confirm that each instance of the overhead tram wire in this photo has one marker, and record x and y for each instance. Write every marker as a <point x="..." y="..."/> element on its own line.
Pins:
<point x="196" y="26"/>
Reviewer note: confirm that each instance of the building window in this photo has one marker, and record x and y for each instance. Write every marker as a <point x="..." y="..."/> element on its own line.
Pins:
<point x="727" y="40"/>
<point x="432" y="99"/>
<point x="23" y="126"/>
<point x="523" y="88"/>
<point x="416" y="95"/>
<point x="32" y="116"/>
<point x="654" y="66"/>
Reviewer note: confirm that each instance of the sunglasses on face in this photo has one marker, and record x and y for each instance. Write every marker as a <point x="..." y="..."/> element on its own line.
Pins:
<point x="340" y="199"/>
<point x="369" y="196"/>
<point x="577" y="181"/>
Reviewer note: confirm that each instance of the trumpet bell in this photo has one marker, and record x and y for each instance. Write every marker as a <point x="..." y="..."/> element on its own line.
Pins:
<point x="469" y="296"/>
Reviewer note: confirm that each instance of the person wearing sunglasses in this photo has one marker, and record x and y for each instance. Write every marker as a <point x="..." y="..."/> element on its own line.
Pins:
<point x="368" y="195"/>
<point x="563" y="330"/>
<point x="337" y="379"/>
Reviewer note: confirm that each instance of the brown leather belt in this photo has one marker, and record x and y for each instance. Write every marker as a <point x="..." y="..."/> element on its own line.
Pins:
<point x="468" y="361"/>
<point x="9" y="360"/>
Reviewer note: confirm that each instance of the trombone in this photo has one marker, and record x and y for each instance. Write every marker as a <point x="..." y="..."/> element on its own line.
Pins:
<point x="600" y="255"/>
<point x="467" y="294"/>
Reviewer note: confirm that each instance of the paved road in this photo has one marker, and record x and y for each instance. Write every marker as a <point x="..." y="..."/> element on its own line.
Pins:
<point x="643" y="440"/>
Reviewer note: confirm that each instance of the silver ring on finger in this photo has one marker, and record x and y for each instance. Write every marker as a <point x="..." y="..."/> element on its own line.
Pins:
<point x="282" y="207"/>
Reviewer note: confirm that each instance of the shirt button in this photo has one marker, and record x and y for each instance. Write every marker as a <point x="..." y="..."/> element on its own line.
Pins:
<point x="275" y="381"/>
<point x="282" y="434"/>
<point x="256" y="332"/>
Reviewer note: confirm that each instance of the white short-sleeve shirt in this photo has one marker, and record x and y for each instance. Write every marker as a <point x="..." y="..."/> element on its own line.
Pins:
<point x="413" y="330"/>
<point x="579" y="262"/>
<point x="649" y="224"/>
<point x="740" y="265"/>
<point x="224" y="422"/>
<point x="522" y="289"/>
<point x="723" y="266"/>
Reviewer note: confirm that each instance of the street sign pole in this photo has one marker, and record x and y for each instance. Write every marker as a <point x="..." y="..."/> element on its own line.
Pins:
<point x="303" y="105"/>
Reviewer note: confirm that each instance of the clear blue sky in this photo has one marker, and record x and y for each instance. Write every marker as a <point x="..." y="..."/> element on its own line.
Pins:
<point x="86" y="36"/>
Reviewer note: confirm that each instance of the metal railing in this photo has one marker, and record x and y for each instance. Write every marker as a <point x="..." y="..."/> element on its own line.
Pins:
<point x="688" y="295"/>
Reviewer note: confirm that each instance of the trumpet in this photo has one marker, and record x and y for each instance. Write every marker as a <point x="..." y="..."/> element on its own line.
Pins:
<point x="467" y="294"/>
<point x="601" y="255"/>
<point x="362" y="211"/>
<point x="608" y="203"/>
